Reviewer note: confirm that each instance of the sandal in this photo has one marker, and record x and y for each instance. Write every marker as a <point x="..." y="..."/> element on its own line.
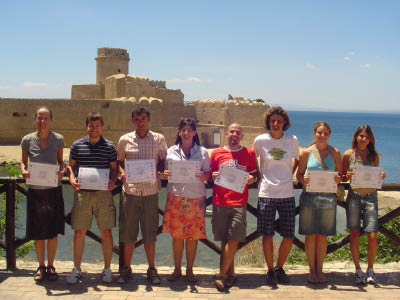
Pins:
<point x="190" y="277"/>
<point x="40" y="273"/>
<point x="219" y="282"/>
<point x="174" y="276"/>
<point x="230" y="280"/>
<point x="51" y="273"/>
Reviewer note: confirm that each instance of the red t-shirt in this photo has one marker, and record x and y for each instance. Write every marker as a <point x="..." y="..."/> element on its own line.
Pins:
<point x="242" y="158"/>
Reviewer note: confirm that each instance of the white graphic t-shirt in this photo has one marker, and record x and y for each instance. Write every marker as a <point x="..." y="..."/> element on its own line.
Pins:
<point x="276" y="164"/>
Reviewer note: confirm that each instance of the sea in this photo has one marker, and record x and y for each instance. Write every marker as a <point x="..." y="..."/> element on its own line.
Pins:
<point x="386" y="128"/>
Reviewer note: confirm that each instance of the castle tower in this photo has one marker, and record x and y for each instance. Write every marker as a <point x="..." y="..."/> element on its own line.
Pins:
<point x="111" y="61"/>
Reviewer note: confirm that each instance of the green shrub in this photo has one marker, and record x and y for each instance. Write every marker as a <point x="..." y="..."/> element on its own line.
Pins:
<point x="387" y="250"/>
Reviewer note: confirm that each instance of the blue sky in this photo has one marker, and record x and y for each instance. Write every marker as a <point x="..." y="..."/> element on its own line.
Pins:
<point x="313" y="55"/>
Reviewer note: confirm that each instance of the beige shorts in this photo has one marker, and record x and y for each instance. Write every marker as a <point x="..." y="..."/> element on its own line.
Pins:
<point x="134" y="210"/>
<point x="97" y="203"/>
<point x="229" y="223"/>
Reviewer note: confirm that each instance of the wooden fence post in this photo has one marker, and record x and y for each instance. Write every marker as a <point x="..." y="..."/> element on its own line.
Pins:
<point x="10" y="225"/>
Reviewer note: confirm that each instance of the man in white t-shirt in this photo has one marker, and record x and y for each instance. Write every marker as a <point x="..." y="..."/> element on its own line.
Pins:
<point x="279" y="154"/>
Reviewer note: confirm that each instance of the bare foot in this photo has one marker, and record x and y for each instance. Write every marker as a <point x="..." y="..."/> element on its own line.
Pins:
<point x="321" y="278"/>
<point x="312" y="278"/>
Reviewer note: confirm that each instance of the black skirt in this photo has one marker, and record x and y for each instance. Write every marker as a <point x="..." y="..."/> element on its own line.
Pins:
<point x="45" y="213"/>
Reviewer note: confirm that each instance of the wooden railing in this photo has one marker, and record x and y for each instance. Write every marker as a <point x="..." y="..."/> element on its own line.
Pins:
<point x="10" y="185"/>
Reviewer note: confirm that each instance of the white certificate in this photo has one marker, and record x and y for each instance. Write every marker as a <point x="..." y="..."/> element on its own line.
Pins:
<point x="366" y="177"/>
<point x="232" y="178"/>
<point x="322" y="182"/>
<point x="43" y="174"/>
<point x="183" y="171"/>
<point x="140" y="170"/>
<point x="93" y="179"/>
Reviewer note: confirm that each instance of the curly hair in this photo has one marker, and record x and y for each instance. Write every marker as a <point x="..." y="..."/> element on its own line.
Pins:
<point x="277" y="110"/>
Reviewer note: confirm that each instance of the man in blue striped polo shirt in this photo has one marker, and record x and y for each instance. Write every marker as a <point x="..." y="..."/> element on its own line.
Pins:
<point x="92" y="151"/>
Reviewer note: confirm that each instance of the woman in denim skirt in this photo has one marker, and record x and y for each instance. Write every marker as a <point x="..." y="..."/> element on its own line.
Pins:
<point x="318" y="210"/>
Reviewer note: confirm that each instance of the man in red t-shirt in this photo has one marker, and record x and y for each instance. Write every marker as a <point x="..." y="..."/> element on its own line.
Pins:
<point x="229" y="207"/>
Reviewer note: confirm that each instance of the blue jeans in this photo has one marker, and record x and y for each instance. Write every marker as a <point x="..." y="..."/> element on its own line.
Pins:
<point x="362" y="206"/>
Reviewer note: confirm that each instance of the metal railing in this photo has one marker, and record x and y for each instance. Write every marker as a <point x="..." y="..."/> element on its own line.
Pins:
<point x="10" y="185"/>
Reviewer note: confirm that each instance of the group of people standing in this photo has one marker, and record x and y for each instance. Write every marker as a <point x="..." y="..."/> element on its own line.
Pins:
<point x="271" y="162"/>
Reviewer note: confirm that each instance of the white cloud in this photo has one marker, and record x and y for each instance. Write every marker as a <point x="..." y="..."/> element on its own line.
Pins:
<point x="310" y="66"/>
<point x="366" y="66"/>
<point x="5" y="87"/>
<point x="348" y="58"/>
<point x="351" y="53"/>
<point x="188" y="80"/>
<point x="35" y="84"/>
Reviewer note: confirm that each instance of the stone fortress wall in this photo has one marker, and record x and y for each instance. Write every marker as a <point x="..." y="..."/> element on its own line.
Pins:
<point x="116" y="94"/>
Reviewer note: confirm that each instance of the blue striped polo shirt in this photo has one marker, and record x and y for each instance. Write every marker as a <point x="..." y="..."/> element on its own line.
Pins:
<point x="99" y="155"/>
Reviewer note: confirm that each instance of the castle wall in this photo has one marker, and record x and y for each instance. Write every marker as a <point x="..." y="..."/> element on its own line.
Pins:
<point x="211" y="111"/>
<point x="118" y="86"/>
<point x="87" y="91"/>
<point x="69" y="117"/>
<point x="250" y="113"/>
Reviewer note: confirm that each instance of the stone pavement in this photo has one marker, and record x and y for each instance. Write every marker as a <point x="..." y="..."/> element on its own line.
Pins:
<point x="251" y="284"/>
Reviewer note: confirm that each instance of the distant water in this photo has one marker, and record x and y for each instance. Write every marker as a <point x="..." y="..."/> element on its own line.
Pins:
<point x="386" y="129"/>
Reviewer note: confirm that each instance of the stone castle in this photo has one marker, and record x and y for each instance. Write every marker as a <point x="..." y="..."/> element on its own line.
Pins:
<point x="116" y="93"/>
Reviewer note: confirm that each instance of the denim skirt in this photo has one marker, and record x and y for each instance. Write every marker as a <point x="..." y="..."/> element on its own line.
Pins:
<point x="317" y="213"/>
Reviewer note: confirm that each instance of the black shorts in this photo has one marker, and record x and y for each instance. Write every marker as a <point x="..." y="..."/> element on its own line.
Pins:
<point x="45" y="213"/>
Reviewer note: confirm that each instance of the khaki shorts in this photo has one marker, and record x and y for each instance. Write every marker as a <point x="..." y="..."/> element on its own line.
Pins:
<point x="134" y="210"/>
<point x="229" y="223"/>
<point x="97" y="203"/>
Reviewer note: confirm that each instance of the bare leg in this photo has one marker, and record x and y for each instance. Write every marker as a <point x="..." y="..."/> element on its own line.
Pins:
<point x="268" y="248"/>
<point x="128" y="253"/>
<point x="177" y="247"/>
<point x="78" y="247"/>
<point x="321" y="246"/>
<point x="354" y="248"/>
<point x="372" y="248"/>
<point x="107" y="245"/>
<point x="51" y="251"/>
<point x="40" y="247"/>
<point x="284" y="250"/>
<point x="310" y="247"/>
<point x="228" y="255"/>
<point x="191" y="250"/>
<point x="150" y="250"/>
<point x="231" y="269"/>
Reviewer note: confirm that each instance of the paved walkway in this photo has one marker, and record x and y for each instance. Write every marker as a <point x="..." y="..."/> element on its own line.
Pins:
<point x="251" y="284"/>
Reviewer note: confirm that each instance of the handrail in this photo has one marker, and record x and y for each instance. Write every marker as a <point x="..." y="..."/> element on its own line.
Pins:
<point x="9" y="185"/>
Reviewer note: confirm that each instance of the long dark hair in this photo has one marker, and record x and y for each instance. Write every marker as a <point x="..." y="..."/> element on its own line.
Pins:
<point x="277" y="110"/>
<point x="372" y="154"/>
<point x="192" y="123"/>
<point x="316" y="126"/>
